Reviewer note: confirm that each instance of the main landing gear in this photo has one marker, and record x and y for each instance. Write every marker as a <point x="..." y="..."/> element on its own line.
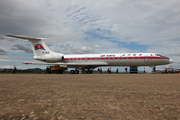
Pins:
<point x="74" y="71"/>
<point x="153" y="70"/>
<point x="81" y="71"/>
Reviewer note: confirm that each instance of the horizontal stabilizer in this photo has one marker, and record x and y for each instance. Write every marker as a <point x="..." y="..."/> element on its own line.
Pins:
<point x="26" y="38"/>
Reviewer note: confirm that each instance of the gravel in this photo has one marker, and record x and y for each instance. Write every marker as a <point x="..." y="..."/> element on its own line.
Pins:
<point x="90" y="96"/>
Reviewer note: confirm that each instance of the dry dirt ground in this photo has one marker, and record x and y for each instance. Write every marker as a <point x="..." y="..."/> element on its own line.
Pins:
<point x="90" y="97"/>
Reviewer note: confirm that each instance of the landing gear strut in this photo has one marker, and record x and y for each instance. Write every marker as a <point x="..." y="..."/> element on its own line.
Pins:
<point x="154" y="70"/>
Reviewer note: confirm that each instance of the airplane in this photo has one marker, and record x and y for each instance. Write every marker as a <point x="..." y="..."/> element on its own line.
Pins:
<point x="85" y="63"/>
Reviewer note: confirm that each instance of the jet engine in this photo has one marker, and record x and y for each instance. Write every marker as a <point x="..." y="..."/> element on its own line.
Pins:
<point x="53" y="58"/>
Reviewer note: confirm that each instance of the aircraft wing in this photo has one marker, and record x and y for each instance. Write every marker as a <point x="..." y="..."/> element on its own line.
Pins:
<point x="72" y="64"/>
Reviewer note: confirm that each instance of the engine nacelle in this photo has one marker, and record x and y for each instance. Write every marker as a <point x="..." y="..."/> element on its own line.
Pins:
<point x="53" y="58"/>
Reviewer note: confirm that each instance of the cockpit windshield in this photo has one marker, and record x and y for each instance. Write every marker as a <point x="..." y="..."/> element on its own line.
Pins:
<point x="161" y="56"/>
<point x="158" y="55"/>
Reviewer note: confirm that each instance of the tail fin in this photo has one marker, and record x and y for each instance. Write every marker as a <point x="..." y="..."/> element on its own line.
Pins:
<point x="38" y="46"/>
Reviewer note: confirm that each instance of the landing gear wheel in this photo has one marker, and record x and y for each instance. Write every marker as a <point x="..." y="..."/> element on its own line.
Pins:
<point x="72" y="71"/>
<point x="85" y="72"/>
<point x="61" y="71"/>
<point x="90" y="71"/>
<point x="77" y="72"/>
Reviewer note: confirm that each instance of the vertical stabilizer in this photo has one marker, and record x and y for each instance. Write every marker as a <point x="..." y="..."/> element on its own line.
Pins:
<point x="38" y="46"/>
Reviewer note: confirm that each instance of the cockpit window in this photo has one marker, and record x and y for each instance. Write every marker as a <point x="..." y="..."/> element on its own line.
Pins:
<point x="161" y="56"/>
<point x="164" y="57"/>
<point x="158" y="55"/>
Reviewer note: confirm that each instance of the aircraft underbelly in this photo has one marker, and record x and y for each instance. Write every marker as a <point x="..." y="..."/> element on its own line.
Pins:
<point x="137" y="62"/>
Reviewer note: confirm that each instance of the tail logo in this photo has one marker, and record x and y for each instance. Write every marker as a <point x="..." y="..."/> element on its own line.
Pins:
<point x="39" y="46"/>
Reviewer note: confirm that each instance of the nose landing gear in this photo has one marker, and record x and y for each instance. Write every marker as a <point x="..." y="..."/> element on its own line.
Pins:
<point x="154" y="70"/>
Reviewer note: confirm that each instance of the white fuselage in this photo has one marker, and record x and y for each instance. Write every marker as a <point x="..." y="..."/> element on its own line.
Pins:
<point x="122" y="59"/>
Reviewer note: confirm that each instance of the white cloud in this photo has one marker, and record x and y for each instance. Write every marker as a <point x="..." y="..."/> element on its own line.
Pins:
<point x="22" y="47"/>
<point x="7" y="67"/>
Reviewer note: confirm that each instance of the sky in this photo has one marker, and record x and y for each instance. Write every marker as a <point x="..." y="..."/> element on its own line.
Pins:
<point x="90" y="26"/>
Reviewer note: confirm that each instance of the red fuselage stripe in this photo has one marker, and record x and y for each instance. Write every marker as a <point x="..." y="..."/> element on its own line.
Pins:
<point x="111" y="58"/>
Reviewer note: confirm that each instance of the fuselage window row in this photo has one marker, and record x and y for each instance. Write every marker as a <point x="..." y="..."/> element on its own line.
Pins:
<point x="115" y="58"/>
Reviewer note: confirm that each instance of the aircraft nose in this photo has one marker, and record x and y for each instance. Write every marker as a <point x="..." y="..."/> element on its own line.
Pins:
<point x="171" y="61"/>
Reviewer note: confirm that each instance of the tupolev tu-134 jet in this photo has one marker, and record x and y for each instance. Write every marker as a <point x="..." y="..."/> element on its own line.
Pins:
<point x="87" y="62"/>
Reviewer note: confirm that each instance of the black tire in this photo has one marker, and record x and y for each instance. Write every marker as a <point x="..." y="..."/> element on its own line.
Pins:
<point x="72" y="71"/>
<point x="85" y="72"/>
<point x="90" y="71"/>
<point x="61" y="72"/>
<point x="77" y="72"/>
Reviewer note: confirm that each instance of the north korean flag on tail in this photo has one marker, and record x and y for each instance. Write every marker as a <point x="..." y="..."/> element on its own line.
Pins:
<point x="39" y="46"/>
